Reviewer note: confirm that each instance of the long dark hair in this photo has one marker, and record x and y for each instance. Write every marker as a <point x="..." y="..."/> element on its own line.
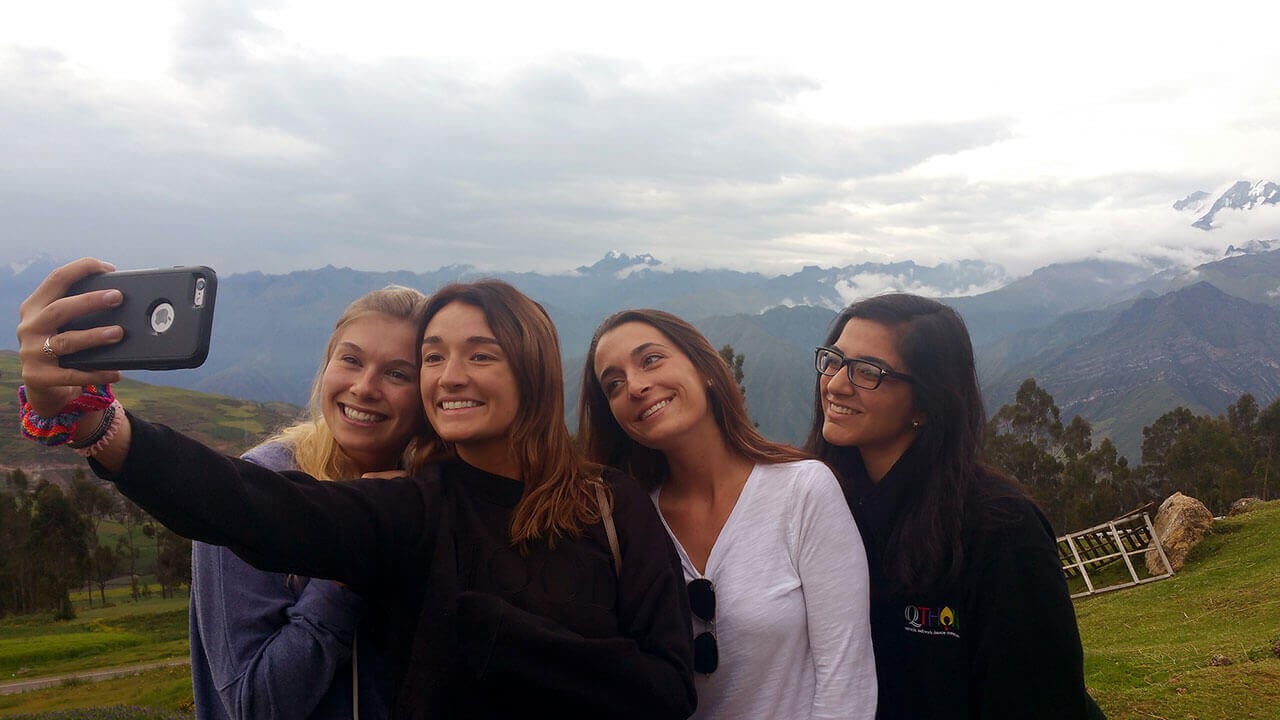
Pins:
<point x="559" y="484"/>
<point x="925" y="546"/>
<point x="607" y="443"/>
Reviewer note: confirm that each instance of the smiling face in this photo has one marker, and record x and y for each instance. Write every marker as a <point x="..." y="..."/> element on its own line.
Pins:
<point x="878" y="422"/>
<point x="657" y="396"/>
<point x="368" y="390"/>
<point x="468" y="387"/>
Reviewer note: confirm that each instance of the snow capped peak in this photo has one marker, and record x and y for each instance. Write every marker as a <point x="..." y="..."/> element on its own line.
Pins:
<point x="620" y="264"/>
<point x="1196" y="202"/>
<point x="1242" y="195"/>
<point x="1253" y="247"/>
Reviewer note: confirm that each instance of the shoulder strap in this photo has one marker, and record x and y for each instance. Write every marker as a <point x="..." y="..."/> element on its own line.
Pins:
<point x="355" y="675"/>
<point x="606" y="517"/>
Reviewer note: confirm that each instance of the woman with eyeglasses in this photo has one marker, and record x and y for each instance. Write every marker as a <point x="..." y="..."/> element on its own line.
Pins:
<point x="970" y="613"/>
<point x="775" y="569"/>
<point x="512" y="577"/>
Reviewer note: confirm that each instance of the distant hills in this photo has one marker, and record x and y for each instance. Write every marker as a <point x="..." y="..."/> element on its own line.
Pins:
<point x="1118" y="343"/>
<point x="227" y="424"/>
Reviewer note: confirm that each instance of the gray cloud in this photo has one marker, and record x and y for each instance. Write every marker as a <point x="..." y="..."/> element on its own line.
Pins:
<point x="261" y="156"/>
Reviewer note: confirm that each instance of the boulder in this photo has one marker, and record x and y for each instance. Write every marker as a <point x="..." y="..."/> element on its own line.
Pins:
<point x="1242" y="506"/>
<point x="1181" y="523"/>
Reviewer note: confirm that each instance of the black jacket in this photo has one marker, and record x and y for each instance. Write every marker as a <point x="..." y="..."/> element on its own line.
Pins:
<point x="999" y="643"/>
<point x="475" y="627"/>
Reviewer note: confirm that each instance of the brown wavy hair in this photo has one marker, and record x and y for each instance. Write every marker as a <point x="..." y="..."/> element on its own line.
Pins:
<point x="605" y="441"/>
<point x="559" y="484"/>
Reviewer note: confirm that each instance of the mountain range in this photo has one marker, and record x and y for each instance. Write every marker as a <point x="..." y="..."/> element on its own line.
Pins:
<point x="1117" y="343"/>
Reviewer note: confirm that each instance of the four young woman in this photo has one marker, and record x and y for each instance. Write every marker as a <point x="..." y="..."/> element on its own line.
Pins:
<point x="513" y="575"/>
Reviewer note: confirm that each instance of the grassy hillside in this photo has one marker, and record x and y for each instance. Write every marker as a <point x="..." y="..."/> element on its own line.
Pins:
<point x="228" y="424"/>
<point x="1150" y="651"/>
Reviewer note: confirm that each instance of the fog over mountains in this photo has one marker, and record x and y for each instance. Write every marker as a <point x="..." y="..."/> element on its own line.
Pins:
<point x="1117" y="343"/>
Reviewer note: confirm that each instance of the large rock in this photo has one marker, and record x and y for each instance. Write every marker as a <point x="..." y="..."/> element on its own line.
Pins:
<point x="1242" y="506"/>
<point x="1180" y="525"/>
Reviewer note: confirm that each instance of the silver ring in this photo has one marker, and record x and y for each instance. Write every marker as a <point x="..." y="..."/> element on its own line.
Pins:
<point x="48" y="349"/>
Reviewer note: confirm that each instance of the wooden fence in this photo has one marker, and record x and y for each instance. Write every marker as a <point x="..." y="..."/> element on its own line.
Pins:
<point x="1087" y="553"/>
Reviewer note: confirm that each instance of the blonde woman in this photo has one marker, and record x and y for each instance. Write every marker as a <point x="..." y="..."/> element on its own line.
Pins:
<point x="274" y="645"/>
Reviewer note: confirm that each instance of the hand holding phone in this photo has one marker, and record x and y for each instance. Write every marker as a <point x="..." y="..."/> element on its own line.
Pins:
<point x="167" y="316"/>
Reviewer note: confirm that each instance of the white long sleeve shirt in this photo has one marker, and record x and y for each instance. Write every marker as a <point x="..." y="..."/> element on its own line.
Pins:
<point x="792" y="603"/>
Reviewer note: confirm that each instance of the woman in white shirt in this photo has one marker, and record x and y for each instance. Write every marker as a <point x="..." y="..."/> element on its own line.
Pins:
<point x="776" y="569"/>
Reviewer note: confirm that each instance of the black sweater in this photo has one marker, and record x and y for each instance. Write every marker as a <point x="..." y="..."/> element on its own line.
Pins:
<point x="999" y="643"/>
<point x="474" y="627"/>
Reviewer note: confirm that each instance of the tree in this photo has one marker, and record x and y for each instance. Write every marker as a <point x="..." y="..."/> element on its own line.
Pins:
<point x="1021" y="440"/>
<point x="173" y="561"/>
<point x="58" y="546"/>
<point x="94" y="503"/>
<point x="104" y="563"/>
<point x="133" y="518"/>
<point x="15" y="528"/>
<point x="734" y="361"/>
<point x="1268" y="446"/>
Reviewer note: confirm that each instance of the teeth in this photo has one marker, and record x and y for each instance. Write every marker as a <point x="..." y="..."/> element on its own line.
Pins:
<point x="655" y="408"/>
<point x="839" y="409"/>
<point x="458" y="404"/>
<point x="360" y="416"/>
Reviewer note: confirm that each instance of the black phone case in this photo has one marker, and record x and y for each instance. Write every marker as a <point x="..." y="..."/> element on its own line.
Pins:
<point x="177" y="338"/>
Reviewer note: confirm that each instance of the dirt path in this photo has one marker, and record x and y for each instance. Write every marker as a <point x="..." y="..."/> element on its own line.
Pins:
<point x="17" y="686"/>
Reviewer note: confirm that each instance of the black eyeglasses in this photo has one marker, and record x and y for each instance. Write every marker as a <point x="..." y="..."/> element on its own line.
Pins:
<point x="862" y="373"/>
<point x="702" y="601"/>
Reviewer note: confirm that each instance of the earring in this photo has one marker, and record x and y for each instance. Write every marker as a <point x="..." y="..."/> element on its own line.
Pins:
<point x="915" y="424"/>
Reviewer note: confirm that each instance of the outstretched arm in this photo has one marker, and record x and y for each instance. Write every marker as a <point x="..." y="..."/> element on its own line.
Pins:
<point x="360" y="532"/>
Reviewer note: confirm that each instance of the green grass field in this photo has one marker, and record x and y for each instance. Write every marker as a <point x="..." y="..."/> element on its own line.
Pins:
<point x="123" y="634"/>
<point x="1149" y="651"/>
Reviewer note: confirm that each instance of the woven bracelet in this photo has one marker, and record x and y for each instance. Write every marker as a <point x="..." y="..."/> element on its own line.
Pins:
<point x="57" y="430"/>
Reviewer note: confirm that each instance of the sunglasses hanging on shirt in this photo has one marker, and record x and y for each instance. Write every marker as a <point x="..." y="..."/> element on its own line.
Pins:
<point x="702" y="601"/>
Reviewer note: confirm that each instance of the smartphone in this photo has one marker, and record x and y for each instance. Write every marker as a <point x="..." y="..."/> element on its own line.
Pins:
<point x="167" y="316"/>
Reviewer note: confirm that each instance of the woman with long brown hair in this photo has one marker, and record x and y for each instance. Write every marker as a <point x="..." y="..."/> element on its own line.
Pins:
<point x="970" y="614"/>
<point x="513" y="579"/>
<point x="775" y="569"/>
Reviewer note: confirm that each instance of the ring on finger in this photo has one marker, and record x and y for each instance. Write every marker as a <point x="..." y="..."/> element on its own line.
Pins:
<point x="48" y="349"/>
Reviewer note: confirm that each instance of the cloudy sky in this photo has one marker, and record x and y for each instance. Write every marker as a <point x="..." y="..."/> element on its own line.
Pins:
<point x="248" y="134"/>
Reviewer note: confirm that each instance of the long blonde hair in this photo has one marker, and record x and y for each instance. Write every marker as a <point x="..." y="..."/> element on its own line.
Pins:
<point x="314" y="449"/>
<point x="559" y="484"/>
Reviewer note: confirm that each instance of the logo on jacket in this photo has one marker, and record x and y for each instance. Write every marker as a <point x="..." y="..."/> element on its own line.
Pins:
<point x="931" y="621"/>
